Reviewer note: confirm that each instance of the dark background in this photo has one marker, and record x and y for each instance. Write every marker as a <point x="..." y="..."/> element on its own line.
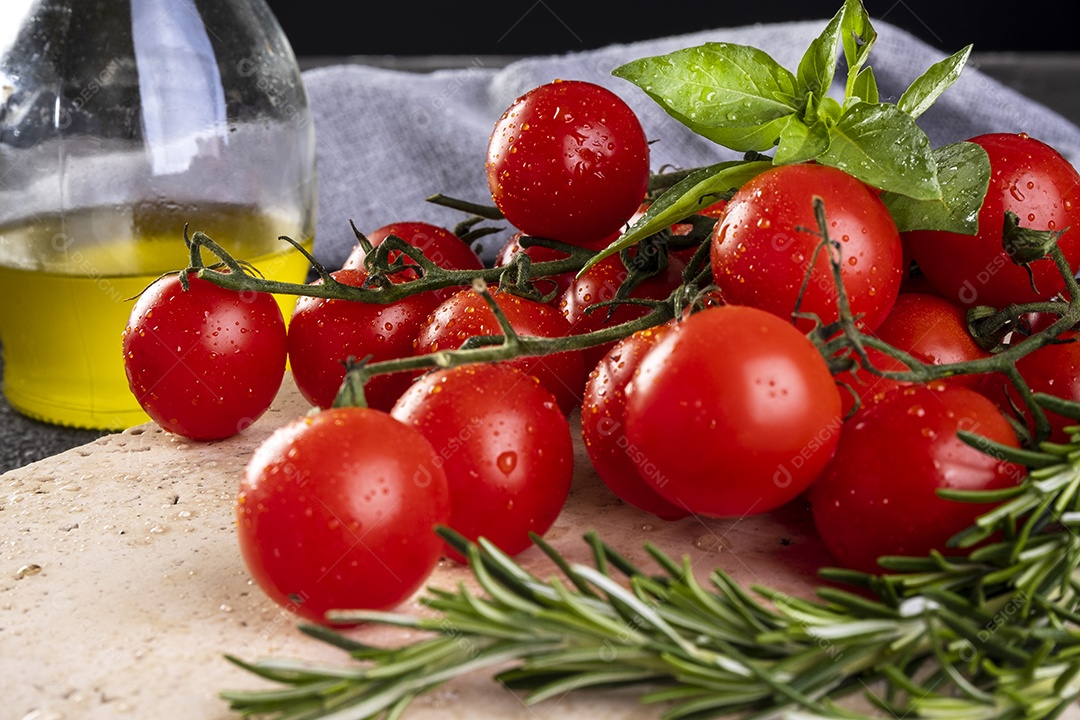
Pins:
<point x="506" y="27"/>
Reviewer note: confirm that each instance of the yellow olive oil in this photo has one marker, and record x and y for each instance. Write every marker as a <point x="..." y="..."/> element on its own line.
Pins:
<point x="67" y="287"/>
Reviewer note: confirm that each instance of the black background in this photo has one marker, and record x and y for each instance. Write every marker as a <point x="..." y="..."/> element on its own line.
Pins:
<point x="420" y="27"/>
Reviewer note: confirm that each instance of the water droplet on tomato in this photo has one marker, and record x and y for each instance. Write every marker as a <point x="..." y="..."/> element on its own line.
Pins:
<point x="916" y="410"/>
<point x="506" y="462"/>
<point x="1015" y="192"/>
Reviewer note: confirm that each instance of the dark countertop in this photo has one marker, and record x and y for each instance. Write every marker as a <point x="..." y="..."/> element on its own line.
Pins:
<point x="1052" y="79"/>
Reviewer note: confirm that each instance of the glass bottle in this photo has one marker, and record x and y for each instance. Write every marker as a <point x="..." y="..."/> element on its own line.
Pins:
<point x="122" y="121"/>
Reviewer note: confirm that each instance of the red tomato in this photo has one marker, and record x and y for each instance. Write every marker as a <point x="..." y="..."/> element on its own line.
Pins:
<point x="934" y="328"/>
<point x="338" y="510"/>
<point x="207" y="362"/>
<point x="323" y="333"/>
<point x="599" y="284"/>
<point x="878" y="496"/>
<point x="504" y="445"/>
<point x="467" y="315"/>
<point x="735" y="409"/>
<point x="870" y="388"/>
<point x="440" y="246"/>
<point x="1052" y="369"/>
<point x="1032" y="180"/>
<point x="760" y="257"/>
<point x="603" y="427"/>
<point x="568" y="161"/>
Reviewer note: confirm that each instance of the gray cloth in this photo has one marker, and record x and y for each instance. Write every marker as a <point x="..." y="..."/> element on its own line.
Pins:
<point x="388" y="139"/>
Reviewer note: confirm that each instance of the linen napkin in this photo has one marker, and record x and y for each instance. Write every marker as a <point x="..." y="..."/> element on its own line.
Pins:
<point x="387" y="139"/>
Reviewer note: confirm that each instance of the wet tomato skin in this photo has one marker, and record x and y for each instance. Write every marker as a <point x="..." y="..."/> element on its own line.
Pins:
<point x="878" y="495"/>
<point x="328" y="519"/>
<point x="504" y="445"/>
<point x="603" y="426"/>
<point x="325" y="332"/>
<point x="735" y="410"/>
<point x="568" y="161"/>
<point x="205" y="362"/>
<point x="764" y="244"/>
<point x="932" y="328"/>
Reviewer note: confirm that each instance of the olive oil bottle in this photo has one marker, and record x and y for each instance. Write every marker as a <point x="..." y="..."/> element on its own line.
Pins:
<point x="121" y="123"/>
<point x="61" y="326"/>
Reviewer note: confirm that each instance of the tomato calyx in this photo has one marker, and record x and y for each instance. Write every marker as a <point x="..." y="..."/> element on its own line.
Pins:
<point x="351" y="393"/>
<point x="1026" y="245"/>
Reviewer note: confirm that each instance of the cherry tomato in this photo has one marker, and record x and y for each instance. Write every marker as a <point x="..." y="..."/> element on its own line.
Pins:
<point x="934" y="328"/>
<point x="323" y="333"/>
<point x="568" y="161"/>
<point x="504" y="445"/>
<point x="599" y="284"/>
<point x="878" y="496"/>
<point x="1032" y="180"/>
<point x="735" y="409"/>
<point x="603" y="427"/>
<point x="338" y="510"/>
<point x="206" y="362"/>
<point x="467" y="315"/>
<point x="1053" y="370"/>
<point x="761" y="250"/>
<point x="440" y="246"/>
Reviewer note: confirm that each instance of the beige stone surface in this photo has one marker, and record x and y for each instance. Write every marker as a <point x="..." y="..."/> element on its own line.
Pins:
<point x="121" y="585"/>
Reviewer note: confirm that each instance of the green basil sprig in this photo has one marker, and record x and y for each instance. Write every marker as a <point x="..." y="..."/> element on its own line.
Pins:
<point x="743" y="99"/>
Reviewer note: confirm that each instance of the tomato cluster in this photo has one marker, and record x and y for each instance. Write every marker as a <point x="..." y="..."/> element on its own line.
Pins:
<point x="731" y="408"/>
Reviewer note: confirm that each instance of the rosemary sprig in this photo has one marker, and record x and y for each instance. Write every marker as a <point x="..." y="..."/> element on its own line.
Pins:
<point x="995" y="634"/>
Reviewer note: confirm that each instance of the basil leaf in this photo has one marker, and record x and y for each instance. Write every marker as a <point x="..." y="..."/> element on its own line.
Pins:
<point x="818" y="64"/>
<point x="922" y="93"/>
<point x="800" y="142"/>
<point x="731" y="94"/>
<point x="964" y="174"/>
<point x="882" y="146"/>
<point x="858" y="37"/>
<point x="696" y="191"/>
<point x="865" y="86"/>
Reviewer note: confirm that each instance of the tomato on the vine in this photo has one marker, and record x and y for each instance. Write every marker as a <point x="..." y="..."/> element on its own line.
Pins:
<point x="338" y="511"/>
<point x="1030" y="179"/>
<point x="764" y="245"/>
<point x="539" y="253"/>
<point x="735" y="409"/>
<point x="440" y="246"/>
<point x="878" y="495"/>
<point x="568" y="161"/>
<point x="504" y="445"/>
<point x="1053" y="369"/>
<point x="204" y="362"/>
<point x="324" y="333"/>
<point x="466" y="314"/>
<point x="603" y="426"/>
<point x="934" y="328"/>
<point x="599" y="284"/>
<point x="868" y="387"/>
